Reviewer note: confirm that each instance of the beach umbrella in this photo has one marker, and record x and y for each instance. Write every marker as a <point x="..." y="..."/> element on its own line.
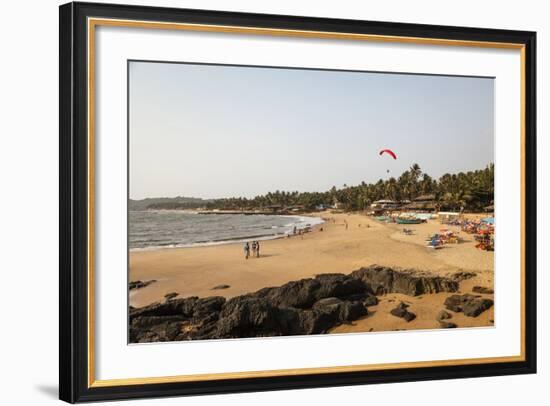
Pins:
<point x="390" y="153"/>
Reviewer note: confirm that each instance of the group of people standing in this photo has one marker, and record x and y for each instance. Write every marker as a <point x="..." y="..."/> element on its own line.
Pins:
<point x="255" y="246"/>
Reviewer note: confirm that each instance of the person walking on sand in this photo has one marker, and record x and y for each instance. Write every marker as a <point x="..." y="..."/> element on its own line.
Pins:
<point x="253" y="248"/>
<point x="246" y="250"/>
<point x="257" y="249"/>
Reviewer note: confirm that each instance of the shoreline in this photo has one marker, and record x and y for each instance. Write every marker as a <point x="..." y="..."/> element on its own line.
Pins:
<point x="307" y="216"/>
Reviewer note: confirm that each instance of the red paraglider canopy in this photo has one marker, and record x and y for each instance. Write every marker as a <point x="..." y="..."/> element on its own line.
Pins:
<point x="389" y="152"/>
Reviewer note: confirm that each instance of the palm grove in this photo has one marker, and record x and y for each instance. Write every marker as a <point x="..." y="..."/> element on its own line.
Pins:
<point x="472" y="191"/>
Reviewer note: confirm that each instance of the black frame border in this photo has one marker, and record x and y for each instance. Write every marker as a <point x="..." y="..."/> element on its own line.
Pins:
<point x="73" y="196"/>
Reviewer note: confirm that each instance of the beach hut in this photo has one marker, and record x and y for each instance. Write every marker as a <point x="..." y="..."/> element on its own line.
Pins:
<point x="385" y="204"/>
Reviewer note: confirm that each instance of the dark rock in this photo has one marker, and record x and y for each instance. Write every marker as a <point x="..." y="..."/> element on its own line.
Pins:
<point x="299" y="294"/>
<point x="455" y="302"/>
<point x="316" y="322"/>
<point x="139" y="284"/>
<point x="401" y="311"/>
<point x="461" y="276"/>
<point x="187" y="307"/>
<point x="170" y="295"/>
<point x="370" y="301"/>
<point x="481" y="289"/>
<point x="409" y="316"/>
<point x="442" y="315"/>
<point x="253" y="317"/>
<point x="402" y="305"/>
<point x="304" y="293"/>
<point x="381" y="280"/>
<point x="470" y="305"/>
<point x="327" y="303"/>
<point x="217" y="287"/>
<point x="447" y="324"/>
<point x="307" y="306"/>
<point x="475" y="307"/>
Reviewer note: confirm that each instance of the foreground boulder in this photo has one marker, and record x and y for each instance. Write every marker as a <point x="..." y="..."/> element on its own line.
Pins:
<point x="307" y="306"/>
<point x="470" y="305"/>
<point x="401" y="311"/>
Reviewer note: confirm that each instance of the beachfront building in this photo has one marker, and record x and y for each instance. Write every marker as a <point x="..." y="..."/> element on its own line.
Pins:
<point x="381" y="206"/>
<point x="423" y="204"/>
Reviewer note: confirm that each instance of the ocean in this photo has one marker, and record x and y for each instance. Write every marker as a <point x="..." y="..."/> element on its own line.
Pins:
<point x="176" y="228"/>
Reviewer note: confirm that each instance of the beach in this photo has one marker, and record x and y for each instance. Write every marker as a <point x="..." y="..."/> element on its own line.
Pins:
<point x="331" y="247"/>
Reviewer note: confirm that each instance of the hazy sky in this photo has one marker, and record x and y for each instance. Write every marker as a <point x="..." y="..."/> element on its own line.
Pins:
<point x="221" y="131"/>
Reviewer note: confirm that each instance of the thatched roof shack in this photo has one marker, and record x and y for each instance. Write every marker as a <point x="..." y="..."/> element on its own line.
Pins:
<point x="425" y="203"/>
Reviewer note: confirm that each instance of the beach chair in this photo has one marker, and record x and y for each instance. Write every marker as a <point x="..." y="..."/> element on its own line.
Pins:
<point x="434" y="243"/>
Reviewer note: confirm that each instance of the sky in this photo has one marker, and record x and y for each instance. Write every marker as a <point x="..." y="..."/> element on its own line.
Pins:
<point x="214" y="131"/>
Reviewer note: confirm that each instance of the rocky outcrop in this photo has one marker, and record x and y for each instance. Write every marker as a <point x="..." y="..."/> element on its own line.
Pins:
<point x="139" y="284"/>
<point x="470" y="305"/>
<point x="304" y="293"/>
<point x="381" y="280"/>
<point x="171" y="295"/>
<point x="307" y="306"/>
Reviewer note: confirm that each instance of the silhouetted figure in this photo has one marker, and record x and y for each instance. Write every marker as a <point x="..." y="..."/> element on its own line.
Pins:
<point x="246" y="250"/>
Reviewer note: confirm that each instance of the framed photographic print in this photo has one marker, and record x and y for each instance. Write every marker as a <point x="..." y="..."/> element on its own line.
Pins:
<point x="257" y="202"/>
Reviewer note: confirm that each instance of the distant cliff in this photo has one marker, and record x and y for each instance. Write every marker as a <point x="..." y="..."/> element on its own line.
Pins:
<point x="167" y="203"/>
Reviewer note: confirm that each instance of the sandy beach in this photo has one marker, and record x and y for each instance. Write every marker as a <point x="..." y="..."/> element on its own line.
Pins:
<point x="331" y="247"/>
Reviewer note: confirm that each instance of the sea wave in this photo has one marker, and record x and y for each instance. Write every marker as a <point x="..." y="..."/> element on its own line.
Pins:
<point x="299" y="221"/>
